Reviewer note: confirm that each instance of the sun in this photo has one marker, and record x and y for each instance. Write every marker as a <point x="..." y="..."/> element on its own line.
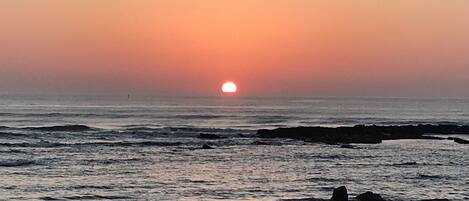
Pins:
<point x="229" y="87"/>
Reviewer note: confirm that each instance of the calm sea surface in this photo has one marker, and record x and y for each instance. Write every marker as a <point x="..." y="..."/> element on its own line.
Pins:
<point x="147" y="148"/>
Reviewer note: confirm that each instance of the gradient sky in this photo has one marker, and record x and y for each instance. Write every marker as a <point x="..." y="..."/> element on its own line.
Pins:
<point x="270" y="47"/>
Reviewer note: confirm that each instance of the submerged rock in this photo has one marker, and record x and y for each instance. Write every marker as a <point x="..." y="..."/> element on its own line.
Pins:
<point x="369" y="196"/>
<point x="340" y="194"/>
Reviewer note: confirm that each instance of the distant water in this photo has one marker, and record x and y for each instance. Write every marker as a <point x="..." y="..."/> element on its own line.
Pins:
<point x="112" y="147"/>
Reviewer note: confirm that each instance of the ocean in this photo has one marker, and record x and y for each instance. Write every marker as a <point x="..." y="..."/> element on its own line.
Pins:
<point x="78" y="147"/>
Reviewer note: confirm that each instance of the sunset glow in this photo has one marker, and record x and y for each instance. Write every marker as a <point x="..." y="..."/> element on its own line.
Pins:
<point x="234" y="99"/>
<point x="319" y="48"/>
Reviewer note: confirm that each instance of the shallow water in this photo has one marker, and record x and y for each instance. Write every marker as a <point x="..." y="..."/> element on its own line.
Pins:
<point x="147" y="149"/>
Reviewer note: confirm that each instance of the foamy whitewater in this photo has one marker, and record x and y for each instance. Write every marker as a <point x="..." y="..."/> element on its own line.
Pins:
<point x="146" y="148"/>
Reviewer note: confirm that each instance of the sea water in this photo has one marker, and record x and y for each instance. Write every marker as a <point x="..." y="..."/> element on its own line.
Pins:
<point x="146" y="148"/>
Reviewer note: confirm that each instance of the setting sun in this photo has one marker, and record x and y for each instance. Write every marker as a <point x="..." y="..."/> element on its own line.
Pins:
<point x="229" y="87"/>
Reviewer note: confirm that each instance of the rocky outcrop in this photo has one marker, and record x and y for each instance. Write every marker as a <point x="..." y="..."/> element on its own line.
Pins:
<point x="340" y="194"/>
<point x="459" y="140"/>
<point x="369" y="196"/>
<point x="361" y="134"/>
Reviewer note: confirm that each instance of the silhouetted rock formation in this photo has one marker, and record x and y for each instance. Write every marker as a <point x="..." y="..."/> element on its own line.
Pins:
<point x="459" y="140"/>
<point x="340" y="194"/>
<point x="362" y="134"/>
<point x="369" y="196"/>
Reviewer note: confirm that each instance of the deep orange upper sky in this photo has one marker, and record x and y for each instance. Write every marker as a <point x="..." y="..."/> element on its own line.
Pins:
<point x="270" y="47"/>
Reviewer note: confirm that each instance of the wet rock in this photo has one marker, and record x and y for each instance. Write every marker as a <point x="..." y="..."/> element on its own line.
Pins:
<point x="460" y="141"/>
<point x="209" y="136"/>
<point x="206" y="146"/>
<point x="361" y="134"/>
<point x="340" y="194"/>
<point x="369" y="196"/>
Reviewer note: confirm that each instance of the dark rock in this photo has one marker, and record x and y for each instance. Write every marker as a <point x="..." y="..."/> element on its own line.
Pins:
<point x="340" y="194"/>
<point x="206" y="146"/>
<point x="369" y="196"/>
<point x="209" y="136"/>
<point x="435" y="200"/>
<point x="362" y="134"/>
<point x="460" y="141"/>
<point x="241" y="135"/>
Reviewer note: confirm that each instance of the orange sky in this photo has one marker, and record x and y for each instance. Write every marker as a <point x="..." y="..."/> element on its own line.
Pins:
<point x="270" y="47"/>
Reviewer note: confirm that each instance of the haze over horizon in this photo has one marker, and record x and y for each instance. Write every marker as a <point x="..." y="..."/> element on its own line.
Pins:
<point x="268" y="47"/>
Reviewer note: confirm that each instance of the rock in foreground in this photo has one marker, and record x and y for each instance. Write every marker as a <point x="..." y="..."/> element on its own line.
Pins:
<point x="340" y="194"/>
<point x="369" y="196"/>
